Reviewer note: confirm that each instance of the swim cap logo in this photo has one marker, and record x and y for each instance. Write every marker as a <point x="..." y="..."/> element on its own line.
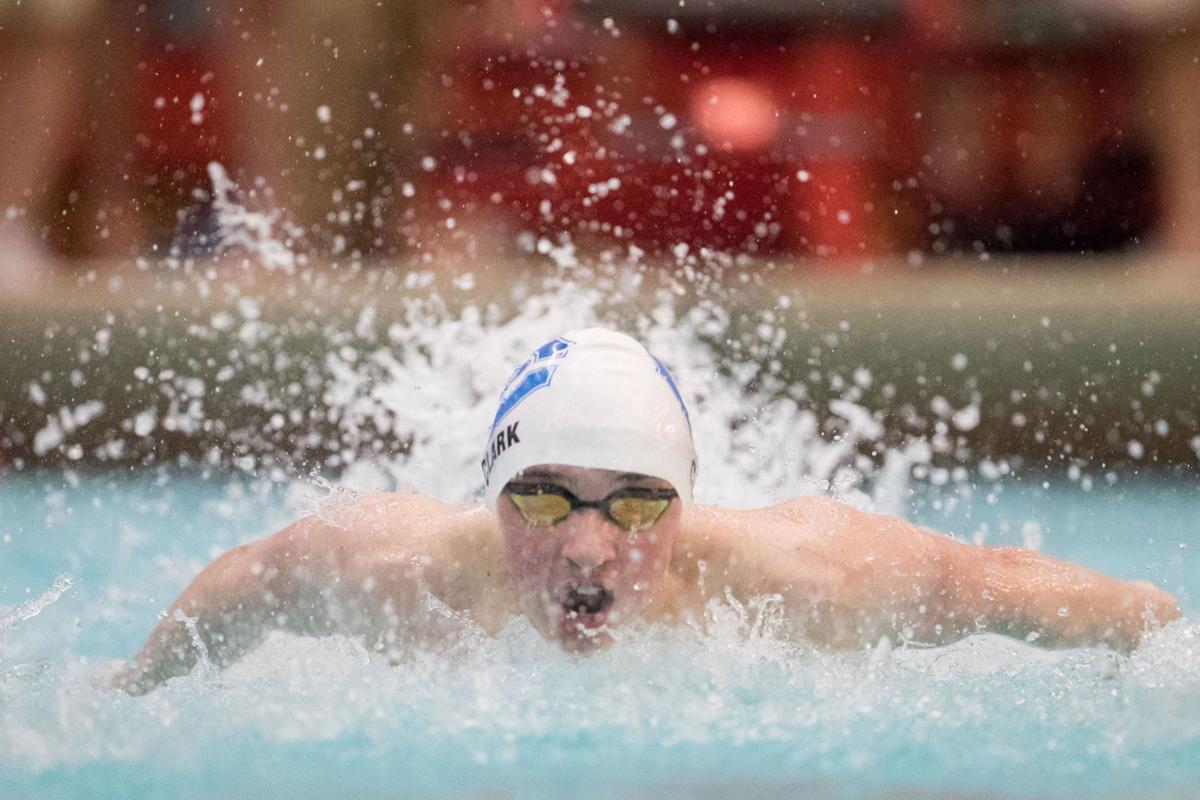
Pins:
<point x="535" y="373"/>
<point x="666" y="374"/>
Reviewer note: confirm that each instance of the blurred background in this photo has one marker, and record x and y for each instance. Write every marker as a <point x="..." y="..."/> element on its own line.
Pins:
<point x="387" y="129"/>
<point x="982" y="168"/>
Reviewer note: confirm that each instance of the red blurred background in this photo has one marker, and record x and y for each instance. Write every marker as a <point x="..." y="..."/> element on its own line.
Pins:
<point x="892" y="127"/>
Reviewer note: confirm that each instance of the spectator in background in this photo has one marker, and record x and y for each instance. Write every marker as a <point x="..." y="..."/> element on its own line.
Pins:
<point x="1171" y="80"/>
<point x="104" y="138"/>
<point x="64" y="147"/>
<point x="324" y="95"/>
<point x="41" y="57"/>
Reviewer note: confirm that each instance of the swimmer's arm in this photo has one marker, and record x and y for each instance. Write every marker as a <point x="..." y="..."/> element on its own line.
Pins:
<point x="234" y="602"/>
<point x="854" y="577"/>
<point x="931" y="588"/>
<point x="1055" y="603"/>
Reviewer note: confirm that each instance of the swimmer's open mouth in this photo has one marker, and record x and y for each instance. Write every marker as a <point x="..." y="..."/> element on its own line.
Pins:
<point x="587" y="600"/>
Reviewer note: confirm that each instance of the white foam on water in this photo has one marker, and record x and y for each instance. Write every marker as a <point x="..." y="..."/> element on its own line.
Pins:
<point x="517" y="698"/>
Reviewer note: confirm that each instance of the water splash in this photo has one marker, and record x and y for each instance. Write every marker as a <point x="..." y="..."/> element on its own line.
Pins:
<point x="737" y="700"/>
<point x="262" y="235"/>
<point x="397" y="390"/>
<point x="29" y="610"/>
<point x="204" y="666"/>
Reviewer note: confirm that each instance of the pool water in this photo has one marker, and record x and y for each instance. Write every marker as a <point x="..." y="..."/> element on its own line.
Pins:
<point x="87" y="561"/>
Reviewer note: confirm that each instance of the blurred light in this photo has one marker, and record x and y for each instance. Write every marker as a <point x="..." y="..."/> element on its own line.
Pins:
<point x="736" y="114"/>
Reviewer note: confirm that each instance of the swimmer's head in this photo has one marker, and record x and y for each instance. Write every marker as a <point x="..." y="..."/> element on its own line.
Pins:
<point x="591" y="398"/>
<point x="589" y="467"/>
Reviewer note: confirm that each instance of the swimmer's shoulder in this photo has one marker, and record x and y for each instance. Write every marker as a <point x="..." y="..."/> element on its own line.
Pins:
<point x="748" y="540"/>
<point x="796" y="548"/>
<point x="416" y="519"/>
<point x="452" y="551"/>
<point x="391" y="526"/>
<point x="799" y="516"/>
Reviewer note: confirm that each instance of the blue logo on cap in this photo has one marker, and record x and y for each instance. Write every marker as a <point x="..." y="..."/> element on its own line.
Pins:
<point x="535" y="373"/>
<point x="665" y="373"/>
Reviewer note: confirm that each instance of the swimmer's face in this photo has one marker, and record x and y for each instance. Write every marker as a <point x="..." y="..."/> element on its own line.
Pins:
<point x="583" y="576"/>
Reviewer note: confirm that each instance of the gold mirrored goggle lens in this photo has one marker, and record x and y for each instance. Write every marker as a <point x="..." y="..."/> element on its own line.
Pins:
<point x="542" y="509"/>
<point x="633" y="511"/>
<point x="637" y="513"/>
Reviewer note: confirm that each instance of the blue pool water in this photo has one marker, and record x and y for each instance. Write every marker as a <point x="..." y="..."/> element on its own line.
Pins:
<point x="665" y="713"/>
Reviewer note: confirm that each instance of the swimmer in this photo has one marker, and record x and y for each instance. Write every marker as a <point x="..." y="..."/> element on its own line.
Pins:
<point x="589" y="524"/>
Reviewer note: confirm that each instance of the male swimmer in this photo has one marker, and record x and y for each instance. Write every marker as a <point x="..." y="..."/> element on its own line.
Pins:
<point x="589" y="523"/>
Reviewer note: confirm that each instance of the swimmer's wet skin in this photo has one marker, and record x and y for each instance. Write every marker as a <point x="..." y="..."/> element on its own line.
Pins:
<point x="589" y="524"/>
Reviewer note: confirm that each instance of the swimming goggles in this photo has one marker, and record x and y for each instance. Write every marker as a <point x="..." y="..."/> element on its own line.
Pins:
<point x="632" y="509"/>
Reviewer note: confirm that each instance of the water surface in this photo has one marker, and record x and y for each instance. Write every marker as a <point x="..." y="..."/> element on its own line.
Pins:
<point x="663" y="713"/>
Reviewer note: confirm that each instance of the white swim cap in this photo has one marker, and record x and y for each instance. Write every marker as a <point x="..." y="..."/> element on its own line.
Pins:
<point x="591" y="398"/>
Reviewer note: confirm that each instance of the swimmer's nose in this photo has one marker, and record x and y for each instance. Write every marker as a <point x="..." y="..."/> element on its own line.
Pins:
<point x="590" y="544"/>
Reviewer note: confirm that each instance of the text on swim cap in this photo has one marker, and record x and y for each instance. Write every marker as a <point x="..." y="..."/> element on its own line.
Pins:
<point x="499" y="443"/>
